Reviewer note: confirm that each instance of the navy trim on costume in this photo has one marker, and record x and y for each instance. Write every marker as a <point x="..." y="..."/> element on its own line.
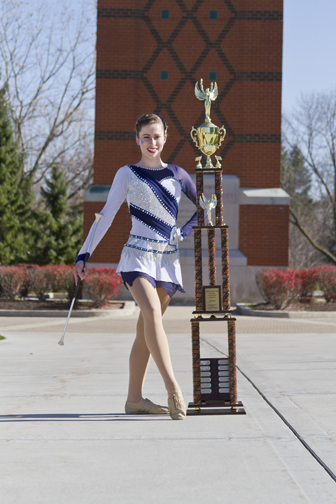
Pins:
<point x="170" y="287"/>
<point x="81" y="257"/>
<point x="165" y="197"/>
<point x="150" y="220"/>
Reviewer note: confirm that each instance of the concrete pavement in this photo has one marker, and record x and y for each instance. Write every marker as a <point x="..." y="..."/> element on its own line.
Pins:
<point x="64" y="437"/>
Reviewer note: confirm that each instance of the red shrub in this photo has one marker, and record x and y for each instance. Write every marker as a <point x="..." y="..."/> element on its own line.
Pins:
<point x="102" y="284"/>
<point x="41" y="280"/>
<point x="327" y="281"/>
<point x="12" y="279"/>
<point x="27" y="285"/>
<point x="63" y="280"/>
<point x="306" y="282"/>
<point x="277" y="287"/>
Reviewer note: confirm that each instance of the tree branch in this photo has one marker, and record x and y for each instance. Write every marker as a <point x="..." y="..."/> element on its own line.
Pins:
<point x="318" y="247"/>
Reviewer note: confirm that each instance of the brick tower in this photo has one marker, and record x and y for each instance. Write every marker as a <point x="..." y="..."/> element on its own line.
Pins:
<point x="150" y="53"/>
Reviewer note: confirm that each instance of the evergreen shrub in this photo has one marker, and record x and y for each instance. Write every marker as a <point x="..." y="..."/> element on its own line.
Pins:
<point x="59" y="228"/>
<point x="16" y="194"/>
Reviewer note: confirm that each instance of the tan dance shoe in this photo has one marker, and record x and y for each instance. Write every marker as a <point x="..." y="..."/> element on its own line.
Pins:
<point x="177" y="409"/>
<point x="145" y="406"/>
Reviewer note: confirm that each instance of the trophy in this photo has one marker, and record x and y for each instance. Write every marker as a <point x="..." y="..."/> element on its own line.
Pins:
<point x="208" y="206"/>
<point x="208" y="137"/>
<point x="214" y="379"/>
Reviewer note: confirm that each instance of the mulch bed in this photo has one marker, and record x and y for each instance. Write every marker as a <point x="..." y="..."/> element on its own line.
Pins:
<point x="52" y="304"/>
<point x="315" y="305"/>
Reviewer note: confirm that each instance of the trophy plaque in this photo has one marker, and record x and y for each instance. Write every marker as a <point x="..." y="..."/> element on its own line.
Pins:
<point x="212" y="298"/>
<point x="214" y="380"/>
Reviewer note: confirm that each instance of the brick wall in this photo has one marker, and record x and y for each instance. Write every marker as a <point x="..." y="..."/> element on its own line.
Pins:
<point x="243" y="46"/>
<point x="263" y="234"/>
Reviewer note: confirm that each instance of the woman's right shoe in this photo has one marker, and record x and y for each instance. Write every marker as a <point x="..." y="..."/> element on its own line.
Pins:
<point x="143" y="407"/>
<point x="177" y="409"/>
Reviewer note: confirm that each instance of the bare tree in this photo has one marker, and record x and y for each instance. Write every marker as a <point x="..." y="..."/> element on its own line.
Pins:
<point x="301" y="253"/>
<point x="47" y="64"/>
<point x="312" y="129"/>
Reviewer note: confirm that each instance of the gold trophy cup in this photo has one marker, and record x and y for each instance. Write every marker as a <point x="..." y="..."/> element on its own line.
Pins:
<point x="207" y="137"/>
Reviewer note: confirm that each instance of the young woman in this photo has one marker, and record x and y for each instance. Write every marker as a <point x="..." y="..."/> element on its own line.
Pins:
<point x="149" y="264"/>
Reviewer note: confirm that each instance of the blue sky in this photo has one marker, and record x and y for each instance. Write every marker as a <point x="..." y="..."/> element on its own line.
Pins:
<point x="309" y="51"/>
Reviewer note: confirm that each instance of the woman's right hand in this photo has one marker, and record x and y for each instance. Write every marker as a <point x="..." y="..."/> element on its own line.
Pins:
<point x="79" y="271"/>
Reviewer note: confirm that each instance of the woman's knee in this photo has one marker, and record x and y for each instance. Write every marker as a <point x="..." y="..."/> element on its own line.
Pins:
<point x="151" y="312"/>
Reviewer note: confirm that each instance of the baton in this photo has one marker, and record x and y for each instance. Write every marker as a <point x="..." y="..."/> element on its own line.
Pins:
<point x="98" y="217"/>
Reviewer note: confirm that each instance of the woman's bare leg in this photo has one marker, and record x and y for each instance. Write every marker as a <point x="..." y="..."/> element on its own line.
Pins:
<point x="150" y="338"/>
<point x="140" y="355"/>
<point x="138" y="364"/>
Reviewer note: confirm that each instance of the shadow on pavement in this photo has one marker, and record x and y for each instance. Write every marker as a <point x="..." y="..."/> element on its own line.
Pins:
<point x="81" y="417"/>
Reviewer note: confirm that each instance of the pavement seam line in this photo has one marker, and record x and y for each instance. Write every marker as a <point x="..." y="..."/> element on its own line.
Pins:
<point x="332" y="322"/>
<point x="59" y="321"/>
<point x="296" y="434"/>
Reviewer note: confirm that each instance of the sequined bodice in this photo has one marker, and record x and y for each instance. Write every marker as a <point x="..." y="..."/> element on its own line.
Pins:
<point x="153" y="197"/>
<point x="165" y="177"/>
<point x="153" y="203"/>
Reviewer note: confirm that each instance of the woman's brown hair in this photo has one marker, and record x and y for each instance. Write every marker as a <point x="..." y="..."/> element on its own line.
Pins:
<point x="149" y="119"/>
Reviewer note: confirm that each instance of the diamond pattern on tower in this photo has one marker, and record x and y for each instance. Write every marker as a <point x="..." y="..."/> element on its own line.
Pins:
<point x="188" y="21"/>
<point x="170" y="50"/>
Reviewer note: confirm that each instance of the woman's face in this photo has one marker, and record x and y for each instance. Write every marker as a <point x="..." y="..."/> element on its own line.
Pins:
<point x="151" y="140"/>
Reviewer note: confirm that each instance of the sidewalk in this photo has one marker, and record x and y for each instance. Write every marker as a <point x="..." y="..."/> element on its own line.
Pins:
<point x="65" y="439"/>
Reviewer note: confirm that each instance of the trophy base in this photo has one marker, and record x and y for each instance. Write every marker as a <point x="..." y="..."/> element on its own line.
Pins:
<point x="215" y="408"/>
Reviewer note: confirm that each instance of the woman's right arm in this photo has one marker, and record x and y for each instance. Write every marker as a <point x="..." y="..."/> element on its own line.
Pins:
<point x="116" y="197"/>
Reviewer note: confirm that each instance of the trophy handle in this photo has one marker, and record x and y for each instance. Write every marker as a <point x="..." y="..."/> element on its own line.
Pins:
<point x="218" y="159"/>
<point x="193" y="132"/>
<point x="221" y="138"/>
<point x="199" y="164"/>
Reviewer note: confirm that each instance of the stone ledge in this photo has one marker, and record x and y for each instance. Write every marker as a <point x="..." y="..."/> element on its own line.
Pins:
<point x="243" y="309"/>
<point x="265" y="196"/>
<point x="128" y="309"/>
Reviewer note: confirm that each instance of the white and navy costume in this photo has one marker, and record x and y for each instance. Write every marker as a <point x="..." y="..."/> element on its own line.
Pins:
<point x="153" y="196"/>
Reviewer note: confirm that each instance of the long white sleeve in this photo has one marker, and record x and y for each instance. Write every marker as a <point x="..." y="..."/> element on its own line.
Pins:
<point x="116" y="197"/>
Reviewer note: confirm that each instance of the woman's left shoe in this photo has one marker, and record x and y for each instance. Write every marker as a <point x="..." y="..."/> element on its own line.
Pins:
<point x="177" y="409"/>
<point x="145" y="406"/>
